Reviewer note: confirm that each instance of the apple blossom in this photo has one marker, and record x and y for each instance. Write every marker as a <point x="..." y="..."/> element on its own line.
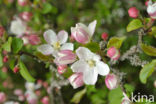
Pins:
<point x="104" y="36"/>
<point x="90" y="65"/>
<point x="2" y="97"/>
<point x="22" y="2"/>
<point x="31" y="97"/>
<point x="5" y="59"/>
<point x="111" y="81"/>
<point x="34" y="39"/>
<point x="61" y="69"/>
<point x="26" y="16"/>
<point x="76" y="80"/>
<point x="133" y="12"/>
<point x="18" y="27"/>
<point x="18" y="92"/>
<point x="151" y="9"/>
<point x="45" y="100"/>
<point x="55" y="43"/>
<point x="113" y="53"/>
<point x="16" y="69"/>
<point x="65" y="57"/>
<point x="82" y="33"/>
<point x="11" y="102"/>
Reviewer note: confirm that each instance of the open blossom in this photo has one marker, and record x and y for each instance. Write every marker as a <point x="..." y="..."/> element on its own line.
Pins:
<point x="83" y="33"/>
<point x="90" y="65"/>
<point x="76" y="80"/>
<point x="55" y="43"/>
<point x="151" y="9"/>
<point x="65" y="57"/>
<point x="18" y="27"/>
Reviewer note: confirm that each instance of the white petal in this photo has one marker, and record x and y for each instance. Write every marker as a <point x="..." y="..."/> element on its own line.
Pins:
<point x="91" y="27"/>
<point x="62" y="36"/>
<point x="90" y="76"/>
<point x="67" y="46"/>
<point x="79" y="66"/>
<point x="50" y="36"/>
<point x="102" y="68"/>
<point x="84" y="53"/>
<point x="46" y="49"/>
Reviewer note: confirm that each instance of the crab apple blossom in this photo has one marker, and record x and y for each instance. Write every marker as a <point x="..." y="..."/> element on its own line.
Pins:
<point x="22" y="2"/>
<point x="55" y="43"/>
<point x="113" y="53"/>
<point x="26" y="16"/>
<point x="90" y="65"/>
<point x="16" y="69"/>
<point x="151" y="9"/>
<point x="1" y="31"/>
<point x="5" y="59"/>
<point x="45" y="100"/>
<point x="104" y="36"/>
<point x="133" y="12"/>
<point x="18" y="27"/>
<point x="31" y="97"/>
<point x="111" y="81"/>
<point x="34" y="39"/>
<point x="61" y="69"/>
<point x="82" y="33"/>
<point x="76" y="80"/>
<point x="65" y="57"/>
<point x="2" y="97"/>
<point x="18" y="92"/>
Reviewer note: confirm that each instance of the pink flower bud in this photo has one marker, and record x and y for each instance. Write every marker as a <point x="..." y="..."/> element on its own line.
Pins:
<point x="26" y="16"/>
<point x="5" y="69"/>
<point x="111" y="81"/>
<point x="76" y="80"/>
<point x="45" y="84"/>
<point x="1" y="31"/>
<point x="18" y="92"/>
<point x="2" y="97"/>
<point x="146" y="3"/>
<point x="5" y="52"/>
<point x="38" y="92"/>
<point x="16" y="69"/>
<point x="45" y="100"/>
<point x="65" y="57"/>
<point x="5" y="59"/>
<point x="34" y="39"/>
<point x="61" y="69"/>
<point x="113" y="53"/>
<point x="133" y="12"/>
<point x="22" y="2"/>
<point x="80" y="35"/>
<point x="151" y="9"/>
<point x="104" y="36"/>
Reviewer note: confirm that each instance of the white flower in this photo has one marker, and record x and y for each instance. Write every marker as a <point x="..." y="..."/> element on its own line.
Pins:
<point x="90" y="65"/>
<point x="18" y="27"/>
<point x="151" y="9"/>
<point x="55" y="43"/>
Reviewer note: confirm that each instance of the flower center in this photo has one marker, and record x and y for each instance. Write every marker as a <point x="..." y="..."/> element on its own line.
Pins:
<point x="57" y="45"/>
<point x="91" y="63"/>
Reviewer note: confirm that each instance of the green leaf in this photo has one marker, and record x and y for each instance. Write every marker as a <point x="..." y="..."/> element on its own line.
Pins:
<point x="115" y="96"/>
<point x="146" y="71"/>
<point x="17" y="45"/>
<point x="43" y="57"/>
<point x="1" y="60"/>
<point x="94" y="47"/>
<point x="116" y="42"/>
<point x="24" y="72"/>
<point x="78" y="96"/>
<point x="149" y="50"/>
<point x="47" y="7"/>
<point x="7" y="46"/>
<point x="134" y="24"/>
